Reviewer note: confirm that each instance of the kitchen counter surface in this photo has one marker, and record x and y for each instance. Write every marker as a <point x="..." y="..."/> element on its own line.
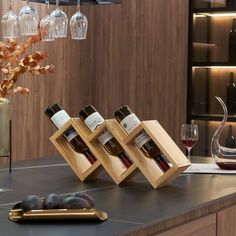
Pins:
<point x="134" y="209"/>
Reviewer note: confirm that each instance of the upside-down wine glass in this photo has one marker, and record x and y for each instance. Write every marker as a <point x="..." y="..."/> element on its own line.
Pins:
<point x="28" y="20"/>
<point x="189" y="136"/>
<point x="47" y="26"/>
<point x="78" y="24"/>
<point x="60" y="20"/>
<point x="10" y="23"/>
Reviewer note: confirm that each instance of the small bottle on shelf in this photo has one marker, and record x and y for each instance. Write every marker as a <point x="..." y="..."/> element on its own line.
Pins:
<point x="93" y="119"/>
<point x="129" y="121"/>
<point x="59" y="117"/>
<point x="232" y="42"/>
<point x="230" y="140"/>
<point x="231" y="95"/>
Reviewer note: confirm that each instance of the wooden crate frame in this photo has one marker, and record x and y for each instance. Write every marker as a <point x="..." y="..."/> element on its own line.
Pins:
<point x="171" y="151"/>
<point x="112" y="164"/>
<point x="78" y="162"/>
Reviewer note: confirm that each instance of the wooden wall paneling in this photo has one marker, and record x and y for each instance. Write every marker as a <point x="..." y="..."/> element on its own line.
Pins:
<point x="135" y="54"/>
<point x="226" y="222"/>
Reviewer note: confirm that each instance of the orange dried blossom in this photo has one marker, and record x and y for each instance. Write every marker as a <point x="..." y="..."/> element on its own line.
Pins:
<point x="14" y="63"/>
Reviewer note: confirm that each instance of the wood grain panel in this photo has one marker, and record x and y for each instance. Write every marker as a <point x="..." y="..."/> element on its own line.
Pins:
<point x="226" y="222"/>
<point x="135" y="54"/>
<point x="203" y="226"/>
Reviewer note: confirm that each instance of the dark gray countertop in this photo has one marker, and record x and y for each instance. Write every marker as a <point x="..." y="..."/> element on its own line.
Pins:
<point x="134" y="209"/>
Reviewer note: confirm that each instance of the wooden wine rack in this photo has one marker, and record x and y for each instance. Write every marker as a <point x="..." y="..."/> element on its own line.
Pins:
<point x="82" y="168"/>
<point x="149" y="168"/>
<point x="78" y="162"/>
<point x="118" y="172"/>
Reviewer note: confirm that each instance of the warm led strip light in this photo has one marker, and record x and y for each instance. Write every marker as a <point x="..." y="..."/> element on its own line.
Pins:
<point x="216" y="67"/>
<point x="223" y="14"/>
<point x="204" y="44"/>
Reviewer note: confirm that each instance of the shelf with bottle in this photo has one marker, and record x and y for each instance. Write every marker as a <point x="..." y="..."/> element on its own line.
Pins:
<point x="206" y="84"/>
<point x="214" y="41"/>
<point x="216" y="5"/>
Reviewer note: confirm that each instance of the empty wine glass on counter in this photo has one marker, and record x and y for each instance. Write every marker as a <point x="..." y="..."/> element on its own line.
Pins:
<point x="10" y="23"/>
<point x="28" y="20"/>
<point x="47" y="26"/>
<point x="78" y="24"/>
<point x="60" y="20"/>
<point x="189" y="136"/>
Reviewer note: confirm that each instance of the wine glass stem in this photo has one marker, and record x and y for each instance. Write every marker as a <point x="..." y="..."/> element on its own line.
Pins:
<point x="57" y="4"/>
<point x="78" y="5"/>
<point x="47" y="3"/>
<point x="189" y="153"/>
<point x="10" y="5"/>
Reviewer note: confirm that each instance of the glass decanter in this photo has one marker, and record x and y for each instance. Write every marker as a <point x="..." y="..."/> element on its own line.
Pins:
<point x="224" y="157"/>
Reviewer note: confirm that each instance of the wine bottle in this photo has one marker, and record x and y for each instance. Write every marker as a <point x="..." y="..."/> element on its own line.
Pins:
<point x="230" y="140"/>
<point x="129" y="121"/>
<point x="93" y="119"/>
<point x="231" y="95"/>
<point x="232" y="42"/>
<point x="59" y="117"/>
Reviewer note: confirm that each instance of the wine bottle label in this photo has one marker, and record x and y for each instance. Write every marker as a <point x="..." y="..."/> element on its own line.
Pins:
<point x="130" y="122"/>
<point x="93" y="121"/>
<point x="141" y="139"/>
<point x="104" y="137"/>
<point x="60" y="118"/>
<point x="70" y="134"/>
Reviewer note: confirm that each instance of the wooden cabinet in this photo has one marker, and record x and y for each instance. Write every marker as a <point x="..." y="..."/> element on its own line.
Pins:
<point x="223" y="223"/>
<point x="226" y="222"/>
<point x="204" y="226"/>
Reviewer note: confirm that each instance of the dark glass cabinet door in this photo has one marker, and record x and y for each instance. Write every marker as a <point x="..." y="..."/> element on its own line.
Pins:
<point x="212" y="67"/>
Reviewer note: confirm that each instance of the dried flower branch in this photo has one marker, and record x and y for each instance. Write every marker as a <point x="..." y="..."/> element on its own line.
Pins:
<point x="13" y="67"/>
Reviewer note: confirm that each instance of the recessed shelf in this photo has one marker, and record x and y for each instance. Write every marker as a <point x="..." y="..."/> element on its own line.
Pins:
<point x="215" y="10"/>
<point x="212" y="117"/>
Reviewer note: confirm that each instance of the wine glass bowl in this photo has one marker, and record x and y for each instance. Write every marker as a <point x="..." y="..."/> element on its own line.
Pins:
<point x="78" y="26"/>
<point x="28" y="20"/>
<point x="60" y="20"/>
<point x="189" y="136"/>
<point x="9" y="23"/>
<point x="47" y="26"/>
